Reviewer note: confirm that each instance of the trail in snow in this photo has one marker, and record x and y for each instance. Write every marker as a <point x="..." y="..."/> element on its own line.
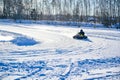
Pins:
<point x="84" y="69"/>
<point x="57" y="55"/>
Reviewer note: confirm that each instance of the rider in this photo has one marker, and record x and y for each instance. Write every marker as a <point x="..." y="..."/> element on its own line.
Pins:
<point x="81" y="33"/>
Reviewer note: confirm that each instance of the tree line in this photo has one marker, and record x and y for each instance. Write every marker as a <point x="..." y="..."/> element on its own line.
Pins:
<point x="106" y="12"/>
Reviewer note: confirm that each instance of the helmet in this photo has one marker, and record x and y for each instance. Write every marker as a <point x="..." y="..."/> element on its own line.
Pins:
<point x="81" y="30"/>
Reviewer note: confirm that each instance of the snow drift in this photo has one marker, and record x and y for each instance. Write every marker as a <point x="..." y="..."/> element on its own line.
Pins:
<point x="24" y="41"/>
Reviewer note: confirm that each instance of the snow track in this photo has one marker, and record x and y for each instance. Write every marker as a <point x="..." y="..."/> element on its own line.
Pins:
<point x="58" y="56"/>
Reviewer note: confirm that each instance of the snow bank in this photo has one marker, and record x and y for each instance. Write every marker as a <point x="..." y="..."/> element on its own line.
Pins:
<point x="63" y="23"/>
<point x="24" y="41"/>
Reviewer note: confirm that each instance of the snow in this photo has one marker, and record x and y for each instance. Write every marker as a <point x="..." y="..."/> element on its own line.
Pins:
<point x="6" y="38"/>
<point x="24" y="41"/>
<point x="49" y="52"/>
<point x="60" y="23"/>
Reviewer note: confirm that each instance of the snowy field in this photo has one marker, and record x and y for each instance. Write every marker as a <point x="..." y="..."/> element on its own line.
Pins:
<point x="46" y="52"/>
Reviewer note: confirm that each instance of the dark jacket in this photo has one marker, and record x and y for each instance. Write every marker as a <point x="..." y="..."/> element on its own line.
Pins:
<point x="81" y="33"/>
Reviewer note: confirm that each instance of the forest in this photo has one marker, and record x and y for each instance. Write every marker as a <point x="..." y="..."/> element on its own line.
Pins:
<point x="106" y="12"/>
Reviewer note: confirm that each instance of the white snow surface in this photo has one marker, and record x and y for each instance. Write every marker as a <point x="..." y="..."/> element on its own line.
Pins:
<point x="58" y="56"/>
<point x="5" y="38"/>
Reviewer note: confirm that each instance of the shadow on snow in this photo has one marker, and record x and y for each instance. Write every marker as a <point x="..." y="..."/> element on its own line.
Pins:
<point x="24" y="41"/>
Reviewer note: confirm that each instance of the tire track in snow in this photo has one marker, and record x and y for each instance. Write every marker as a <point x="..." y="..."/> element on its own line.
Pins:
<point x="108" y="36"/>
<point x="60" y="43"/>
